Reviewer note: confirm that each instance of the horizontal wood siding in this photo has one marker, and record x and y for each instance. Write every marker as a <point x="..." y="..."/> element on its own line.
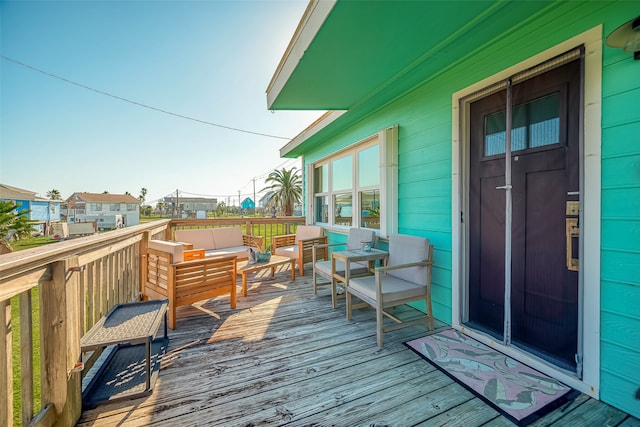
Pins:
<point x="620" y="273"/>
<point x="424" y="196"/>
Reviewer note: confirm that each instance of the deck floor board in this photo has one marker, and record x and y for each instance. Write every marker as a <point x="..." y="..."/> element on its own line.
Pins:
<point x="285" y="357"/>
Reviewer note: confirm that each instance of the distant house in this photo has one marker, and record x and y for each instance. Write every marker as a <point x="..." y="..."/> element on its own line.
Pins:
<point x="190" y="206"/>
<point x="108" y="210"/>
<point x="247" y="204"/>
<point x="43" y="211"/>
<point x="264" y="200"/>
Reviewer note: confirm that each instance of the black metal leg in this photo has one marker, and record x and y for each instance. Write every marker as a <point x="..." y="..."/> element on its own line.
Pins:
<point x="148" y="364"/>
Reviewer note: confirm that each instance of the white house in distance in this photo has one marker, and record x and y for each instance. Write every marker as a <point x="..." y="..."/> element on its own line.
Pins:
<point x="108" y="210"/>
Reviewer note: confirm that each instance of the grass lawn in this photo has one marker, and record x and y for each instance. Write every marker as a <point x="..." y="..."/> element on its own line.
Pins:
<point x="15" y="341"/>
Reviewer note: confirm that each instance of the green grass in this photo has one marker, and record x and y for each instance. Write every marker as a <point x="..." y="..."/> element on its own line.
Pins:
<point x="31" y="242"/>
<point x="17" y="352"/>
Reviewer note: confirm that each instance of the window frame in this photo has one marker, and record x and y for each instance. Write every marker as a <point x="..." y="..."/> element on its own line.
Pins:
<point x="387" y="141"/>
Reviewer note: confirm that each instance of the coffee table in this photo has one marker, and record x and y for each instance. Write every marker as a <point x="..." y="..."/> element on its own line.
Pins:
<point x="243" y="268"/>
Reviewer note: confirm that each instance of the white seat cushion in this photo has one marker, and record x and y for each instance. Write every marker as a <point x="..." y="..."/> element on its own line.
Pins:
<point x="175" y="249"/>
<point x="238" y="251"/>
<point x="290" y="251"/>
<point x="307" y="232"/>
<point x="393" y="288"/>
<point x="359" y="235"/>
<point x="405" y="249"/>
<point x="324" y="268"/>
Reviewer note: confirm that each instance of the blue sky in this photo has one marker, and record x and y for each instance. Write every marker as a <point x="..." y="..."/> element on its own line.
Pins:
<point x="209" y="60"/>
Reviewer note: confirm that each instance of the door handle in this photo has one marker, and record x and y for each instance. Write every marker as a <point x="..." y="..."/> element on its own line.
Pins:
<point x="573" y="232"/>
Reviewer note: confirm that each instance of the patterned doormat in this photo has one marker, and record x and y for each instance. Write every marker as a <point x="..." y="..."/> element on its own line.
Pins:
<point x="517" y="391"/>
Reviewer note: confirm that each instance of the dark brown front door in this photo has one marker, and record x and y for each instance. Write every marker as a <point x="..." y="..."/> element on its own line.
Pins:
<point x="545" y="177"/>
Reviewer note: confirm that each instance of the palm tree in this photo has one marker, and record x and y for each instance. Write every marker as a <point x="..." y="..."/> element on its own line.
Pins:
<point x="54" y="195"/>
<point x="143" y="195"/>
<point x="286" y="186"/>
<point x="13" y="224"/>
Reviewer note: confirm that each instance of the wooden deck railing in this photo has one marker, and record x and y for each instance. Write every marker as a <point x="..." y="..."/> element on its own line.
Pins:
<point x="51" y="295"/>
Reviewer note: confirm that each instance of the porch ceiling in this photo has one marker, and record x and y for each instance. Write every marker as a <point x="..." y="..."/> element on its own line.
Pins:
<point x="348" y="53"/>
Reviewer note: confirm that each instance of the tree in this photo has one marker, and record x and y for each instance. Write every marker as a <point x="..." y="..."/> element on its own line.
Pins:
<point x="143" y="195"/>
<point x="13" y="224"/>
<point x="54" y="195"/>
<point x="286" y="186"/>
<point x="220" y="209"/>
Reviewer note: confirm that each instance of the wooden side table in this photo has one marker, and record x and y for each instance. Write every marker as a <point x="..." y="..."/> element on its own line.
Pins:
<point x="243" y="268"/>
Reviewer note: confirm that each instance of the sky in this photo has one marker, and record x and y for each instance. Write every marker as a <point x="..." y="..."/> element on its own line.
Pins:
<point x="65" y="126"/>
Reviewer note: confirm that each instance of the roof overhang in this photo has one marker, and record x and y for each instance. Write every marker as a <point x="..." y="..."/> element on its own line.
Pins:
<point x="359" y="56"/>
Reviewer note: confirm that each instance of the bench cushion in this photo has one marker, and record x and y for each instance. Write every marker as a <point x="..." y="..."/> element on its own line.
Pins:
<point x="227" y="237"/>
<point x="238" y="251"/>
<point x="201" y="238"/>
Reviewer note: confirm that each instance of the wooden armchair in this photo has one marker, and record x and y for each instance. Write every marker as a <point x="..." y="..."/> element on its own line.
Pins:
<point x="300" y="245"/>
<point x="170" y="275"/>
<point x="405" y="278"/>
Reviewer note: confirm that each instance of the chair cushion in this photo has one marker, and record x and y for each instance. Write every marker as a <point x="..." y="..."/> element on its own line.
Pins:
<point x="393" y="288"/>
<point x="200" y="238"/>
<point x="307" y="232"/>
<point x="227" y="237"/>
<point x="324" y="268"/>
<point x="290" y="251"/>
<point x="405" y="249"/>
<point x="175" y="249"/>
<point x="359" y="235"/>
<point x="239" y="251"/>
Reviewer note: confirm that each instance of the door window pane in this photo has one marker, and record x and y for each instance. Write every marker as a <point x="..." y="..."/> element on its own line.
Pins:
<point x="343" y="173"/>
<point x="535" y="124"/>
<point x="369" y="166"/>
<point x="370" y="209"/>
<point x="343" y="209"/>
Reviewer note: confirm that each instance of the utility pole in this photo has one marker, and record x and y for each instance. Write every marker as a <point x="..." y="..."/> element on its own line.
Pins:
<point x="255" y="204"/>
<point x="177" y="204"/>
<point x="239" y="207"/>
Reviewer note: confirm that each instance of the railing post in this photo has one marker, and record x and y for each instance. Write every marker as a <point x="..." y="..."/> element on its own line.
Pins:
<point x="60" y="334"/>
<point x="6" y="367"/>
<point x="144" y="245"/>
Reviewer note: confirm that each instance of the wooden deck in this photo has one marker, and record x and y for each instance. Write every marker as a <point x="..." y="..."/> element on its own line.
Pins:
<point x="284" y="356"/>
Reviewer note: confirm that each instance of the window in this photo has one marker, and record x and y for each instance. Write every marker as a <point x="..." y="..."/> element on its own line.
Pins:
<point x="535" y="124"/>
<point x="357" y="187"/>
<point x="96" y="207"/>
<point x="132" y="207"/>
<point x="114" y="207"/>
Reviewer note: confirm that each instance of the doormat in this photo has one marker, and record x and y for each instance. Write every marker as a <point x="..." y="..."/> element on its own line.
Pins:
<point x="122" y="374"/>
<point x="517" y="391"/>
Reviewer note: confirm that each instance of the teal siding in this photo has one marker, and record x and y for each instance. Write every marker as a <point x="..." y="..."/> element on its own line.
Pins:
<point x="424" y="172"/>
<point x="620" y="256"/>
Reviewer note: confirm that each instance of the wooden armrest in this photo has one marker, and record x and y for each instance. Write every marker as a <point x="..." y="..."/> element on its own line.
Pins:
<point x="401" y="266"/>
<point x="323" y="246"/>
<point x="185" y="245"/>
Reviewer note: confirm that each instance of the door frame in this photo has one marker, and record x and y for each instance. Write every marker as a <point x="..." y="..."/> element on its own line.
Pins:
<point x="590" y="163"/>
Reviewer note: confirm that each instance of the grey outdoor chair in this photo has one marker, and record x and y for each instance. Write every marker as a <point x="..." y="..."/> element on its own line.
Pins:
<point x="405" y="278"/>
<point x="323" y="268"/>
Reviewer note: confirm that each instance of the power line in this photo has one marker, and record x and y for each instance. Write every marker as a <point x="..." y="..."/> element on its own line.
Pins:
<point x="141" y="104"/>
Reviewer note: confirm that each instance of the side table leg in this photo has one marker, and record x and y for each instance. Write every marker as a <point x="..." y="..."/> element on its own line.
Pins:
<point x="244" y="284"/>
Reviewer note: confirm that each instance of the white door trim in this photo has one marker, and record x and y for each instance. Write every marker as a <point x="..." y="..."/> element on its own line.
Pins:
<point x="590" y="217"/>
